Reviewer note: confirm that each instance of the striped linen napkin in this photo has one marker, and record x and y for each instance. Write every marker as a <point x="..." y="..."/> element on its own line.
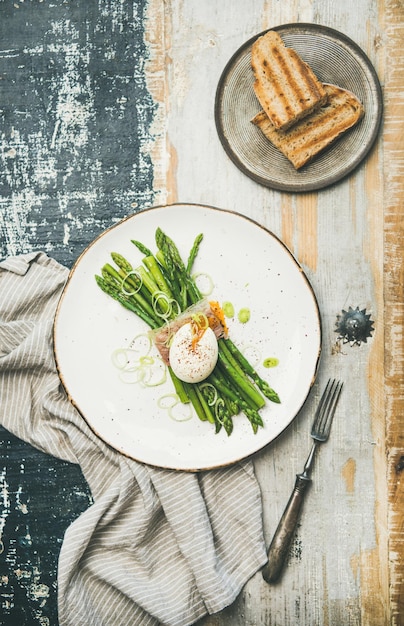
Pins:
<point x="156" y="546"/>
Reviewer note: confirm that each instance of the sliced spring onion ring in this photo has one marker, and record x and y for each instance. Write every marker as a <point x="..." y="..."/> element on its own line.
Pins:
<point x="219" y="410"/>
<point x="146" y="360"/>
<point x="161" y="305"/>
<point x="177" y="410"/>
<point x="131" y="377"/>
<point x="148" y="374"/>
<point x="252" y="354"/>
<point x="123" y="358"/>
<point x="154" y="374"/>
<point x="165" y="307"/>
<point x="204" y="283"/>
<point x="137" y="366"/>
<point x="211" y="396"/>
<point x="135" y="289"/>
<point x="200" y="320"/>
<point x="141" y="343"/>
<point x="168" y="401"/>
<point x="175" y="305"/>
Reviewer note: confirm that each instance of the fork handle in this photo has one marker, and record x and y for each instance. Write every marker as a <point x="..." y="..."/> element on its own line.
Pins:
<point x="283" y="535"/>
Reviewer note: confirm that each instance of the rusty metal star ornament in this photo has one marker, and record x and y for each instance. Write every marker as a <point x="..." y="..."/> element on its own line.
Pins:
<point x="354" y="326"/>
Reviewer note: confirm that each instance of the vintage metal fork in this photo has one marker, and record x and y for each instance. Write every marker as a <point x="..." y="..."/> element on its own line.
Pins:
<point x="320" y="431"/>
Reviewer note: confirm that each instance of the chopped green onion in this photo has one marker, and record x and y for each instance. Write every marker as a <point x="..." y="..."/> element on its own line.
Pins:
<point x="145" y="369"/>
<point x="136" y="288"/>
<point x="204" y="283"/>
<point x="200" y="320"/>
<point x="177" y="410"/>
<point x="210" y="393"/>
<point x="219" y="410"/>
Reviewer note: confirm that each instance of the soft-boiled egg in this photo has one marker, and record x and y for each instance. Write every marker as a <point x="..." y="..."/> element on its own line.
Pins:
<point x="193" y="361"/>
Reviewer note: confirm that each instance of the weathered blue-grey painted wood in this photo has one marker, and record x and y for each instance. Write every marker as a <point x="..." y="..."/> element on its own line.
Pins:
<point x="75" y="113"/>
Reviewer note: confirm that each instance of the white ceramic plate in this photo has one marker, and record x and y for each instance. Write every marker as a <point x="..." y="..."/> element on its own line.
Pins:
<point x="251" y="268"/>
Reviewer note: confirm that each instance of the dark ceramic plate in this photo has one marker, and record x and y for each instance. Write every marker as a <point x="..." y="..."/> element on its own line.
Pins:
<point x="335" y="59"/>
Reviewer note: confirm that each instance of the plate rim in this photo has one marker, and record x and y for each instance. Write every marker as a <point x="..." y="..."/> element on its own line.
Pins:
<point x="303" y="187"/>
<point x="255" y="223"/>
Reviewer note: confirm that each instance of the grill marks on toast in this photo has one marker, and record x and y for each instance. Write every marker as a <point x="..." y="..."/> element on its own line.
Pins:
<point x="285" y="85"/>
<point x="313" y="134"/>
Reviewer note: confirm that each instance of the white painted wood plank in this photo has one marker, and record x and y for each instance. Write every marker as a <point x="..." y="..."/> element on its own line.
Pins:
<point x="335" y="573"/>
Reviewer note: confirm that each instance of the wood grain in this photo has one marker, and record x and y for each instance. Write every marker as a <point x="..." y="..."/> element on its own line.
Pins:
<point x="338" y="236"/>
<point x="394" y="299"/>
<point x="63" y="180"/>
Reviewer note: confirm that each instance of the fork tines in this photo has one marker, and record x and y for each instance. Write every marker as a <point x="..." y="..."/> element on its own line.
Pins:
<point x="326" y="409"/>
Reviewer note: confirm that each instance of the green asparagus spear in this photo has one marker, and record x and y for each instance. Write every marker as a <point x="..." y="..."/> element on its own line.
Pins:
<point x="246" y="388"/>
<point x="178" y="269"/>
<point x="223" y="416"/>
<point x="143" y="249"/>
<point x="205" y="406"/>
<point x="115" y="280"/>
<point x="251" y="413"/>
<point x="154" y="269"/>
<point x="237" y="383"/>
<point x="121" y="262"/>
<point x="193" y="396"/>
<point x="178" y="290"/>
<point x="250" y="371"/>
<point x="129" y="304"/>
<point x="129" y="282"/>
<point x="179" y="387"/>
<point x="194" y="252"/>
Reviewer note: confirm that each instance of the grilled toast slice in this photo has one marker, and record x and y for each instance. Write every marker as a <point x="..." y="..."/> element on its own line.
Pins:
<point x="313" y="134"/>
<point x="286" y="87"/>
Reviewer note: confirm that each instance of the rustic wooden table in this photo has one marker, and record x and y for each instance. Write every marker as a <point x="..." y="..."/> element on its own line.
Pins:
<point x="108" y="107"/>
